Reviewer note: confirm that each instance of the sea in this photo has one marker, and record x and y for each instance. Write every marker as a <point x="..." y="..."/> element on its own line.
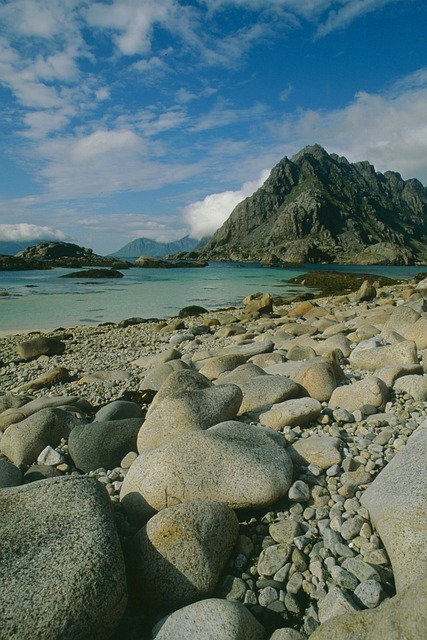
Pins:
<point x="42" y="299"/>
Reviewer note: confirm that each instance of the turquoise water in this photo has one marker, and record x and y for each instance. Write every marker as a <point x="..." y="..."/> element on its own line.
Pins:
<point x="42" y="299"/>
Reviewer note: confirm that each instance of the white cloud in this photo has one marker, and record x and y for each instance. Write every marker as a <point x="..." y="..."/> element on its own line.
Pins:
<point x="388" y="130"/>
<point x="101" y="143"/>
<point x="29" y="232"/>
<point x="206" y="216"/>
<point x="351" y="10"/>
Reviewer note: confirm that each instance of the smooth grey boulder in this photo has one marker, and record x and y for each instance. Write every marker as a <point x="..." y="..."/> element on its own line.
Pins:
<point x="54" y="376"/>
<point x="264" y="390"/>
<point x="212" y="368"/>
<point x="16" y="414"/>
<point x="250" y="350"/>
<point x="322" y="451"/>
<point x="12" y="401"/>
<point x="241" y="374"/>
<point x="396" y="501"/>
<point x="186" y="402"/>
<point x="390" y="374"/>
<point x="290" y="413"/>
<point x="372" y="359"/>
<point x="401" y="319"/>
<point x="404" y="616"/>
<point x="40" y="346"/>
<point x="211" y="619"/>
<point x="414" y="385"/>
<point x="24" y="441"/>
<point x="10" y="474"/>
<point x="418" y="333"/>
<point x="241" y="465"/>
<point x="103" y="444"/>
<point x="338" y="341"/>
<point x="118" y="410"/>
<point x="178" y="556"/>
<point x="63" y="574"/>
<point x="157" y="375"/>
<point x="370" y="392"/>
<point x="146" y="362"/>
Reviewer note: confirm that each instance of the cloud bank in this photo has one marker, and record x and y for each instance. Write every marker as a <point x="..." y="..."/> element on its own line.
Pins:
<point x="206" y="216"/>
<point x="24" y="232"/>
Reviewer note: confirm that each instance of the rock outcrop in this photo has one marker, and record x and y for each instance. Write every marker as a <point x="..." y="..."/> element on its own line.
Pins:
<point x="317" y="207"/>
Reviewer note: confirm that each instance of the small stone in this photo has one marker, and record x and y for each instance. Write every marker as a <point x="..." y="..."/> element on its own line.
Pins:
<point x="299" y="492"/>
<point x="272" y="559"/>
<point x="369" y="593"/>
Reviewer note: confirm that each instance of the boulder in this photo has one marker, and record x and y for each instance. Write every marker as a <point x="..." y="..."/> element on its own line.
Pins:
<point x="402" y="319"/>
<point x="158" y="374"/>
<point x="371" y="392"/>
<point x="178" y="556"/>
<point x="372" y="359"/>
<point x="242" y="465"/>
<point x="418" y="333"/>
<point x="322" y="451"/>
<point x="47" y="379"/>
<point x="264" y="390"/>
<point x="365" y="292"/>
<point x="390" y="374"/>
<point x="103" y="444"/>
<point x="258" y="303"/>
<point x="398" y="509"/>
<point x="40" y="346"/>
<point x="61" y="563"/>
<point x="318" y="378"/>
<point x="118" y="410"/>
<point x="290" y="413"/>
<point x="187" y="401"/>
<point x="403" y="616"/>
<point x="24" y="441"/>
<point x="16" y="414"/>
<point x="192" y="310"/>
<point x="10" y="474"/>
<point x="213" y="367"/>
<point x="414" y="385"/>
<point x="209" y="619"/>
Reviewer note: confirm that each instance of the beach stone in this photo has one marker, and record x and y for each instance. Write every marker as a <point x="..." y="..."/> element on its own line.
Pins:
<point x="10" y="474"/>
<point x="362" y="570"/>
<point x="40" y="472"/>
<point x="403" y="616"/>
<point x="241" y="374"/>
<point x="337" y="341"/>
<point x="153" y="360"/>
<point x="258" y="303"/>
<point x="250" y="350"/>
<point x="214" y="367"/>
<point x="371" y="391"/>
<point x="273" y="558"/>
<point x="14" y="415"/>
<point x="50" y="456"/>
<point x="287" y="634"/>
<point x="401" y="319"/>
<point x="192" y="310"/>
<point x="61" y="561"/>
<point x="117" y="375"/>
<point x="284" y="530"/>
<point x="335" y="603"/>
<point x="13" y="401"/>
<point x="40" y="346"/>
<point x="103" y="444"/>
<point x="365" y="292"/>
<point x="415" y="386"/>
<point x="208" y="620"/>
<point x="264" y="390"/>
<point x="418" y="333"/>
<point x="228" y="331"/>
<point x="299" y="491"/>
<point x="118" y="410"/>
<point x="187" y="402"/>
<point x="390" y="374"/>
<point x="369" y="593"/>
<point x="398" y="509"/>
<point x="178" y="557"/>
<point x="241" y="465"/>
<point x="291" y="413"/>
<point x="301" y="309"/>
<point x="322" y="451"/>
<point x="263" y="360"/>
<point x="317" y="379"/>
<point x="24" y="441"/>
<point x="372" y="359"/>
<point x="301" y="352"/>
<point x="158" y="374"/>
<point x="48" y="379"/>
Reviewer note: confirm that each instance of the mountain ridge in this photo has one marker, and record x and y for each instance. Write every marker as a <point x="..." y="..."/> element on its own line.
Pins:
<point x="319" y="207"/>
<point x="147" y="247"/>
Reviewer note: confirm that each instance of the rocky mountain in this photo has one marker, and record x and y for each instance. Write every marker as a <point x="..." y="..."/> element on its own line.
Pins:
<point x="57" y="254"/>
<point x="318" y="207"/>
<point x="147" y="247"/>
<point x="11" y="247"/>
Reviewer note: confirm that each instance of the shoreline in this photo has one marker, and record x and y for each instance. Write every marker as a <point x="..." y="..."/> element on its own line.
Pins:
<point x="302" y="355"/>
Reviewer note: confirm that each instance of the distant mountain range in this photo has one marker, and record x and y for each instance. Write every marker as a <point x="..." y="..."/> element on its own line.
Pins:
<point x="317" y="207"/>
<point x="147" y="247"/>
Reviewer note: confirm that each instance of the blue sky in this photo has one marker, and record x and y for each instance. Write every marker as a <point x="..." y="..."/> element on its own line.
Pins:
<point x="154" y="118"/>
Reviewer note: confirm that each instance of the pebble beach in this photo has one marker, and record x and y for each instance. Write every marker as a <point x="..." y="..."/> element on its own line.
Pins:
<point x="242" y="474"/>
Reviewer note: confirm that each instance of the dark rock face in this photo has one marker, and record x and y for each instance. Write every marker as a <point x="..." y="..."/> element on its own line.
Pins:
<point x="94" y="273"/>
<point x="147" y="262"/>
<point x="57" y="254"/>
<point x="318" y="207"/>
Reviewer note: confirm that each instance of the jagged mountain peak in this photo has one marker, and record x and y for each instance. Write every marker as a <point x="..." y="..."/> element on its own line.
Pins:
<point x="318" y="206"/>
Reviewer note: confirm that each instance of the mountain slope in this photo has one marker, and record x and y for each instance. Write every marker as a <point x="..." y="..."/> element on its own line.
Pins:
<point x="318" y="207"/>
<point x="147" y="247"/>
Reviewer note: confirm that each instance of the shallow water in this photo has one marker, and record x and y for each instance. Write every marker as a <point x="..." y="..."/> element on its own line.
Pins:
<point x="42" y="299"/>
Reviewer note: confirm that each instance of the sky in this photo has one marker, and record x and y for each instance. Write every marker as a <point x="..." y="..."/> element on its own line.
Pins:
<point x="122" y="119"/>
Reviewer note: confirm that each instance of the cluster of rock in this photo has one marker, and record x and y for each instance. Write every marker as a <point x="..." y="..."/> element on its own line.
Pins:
<point x="148" y="262"/>
<point x="246" y="474"/>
